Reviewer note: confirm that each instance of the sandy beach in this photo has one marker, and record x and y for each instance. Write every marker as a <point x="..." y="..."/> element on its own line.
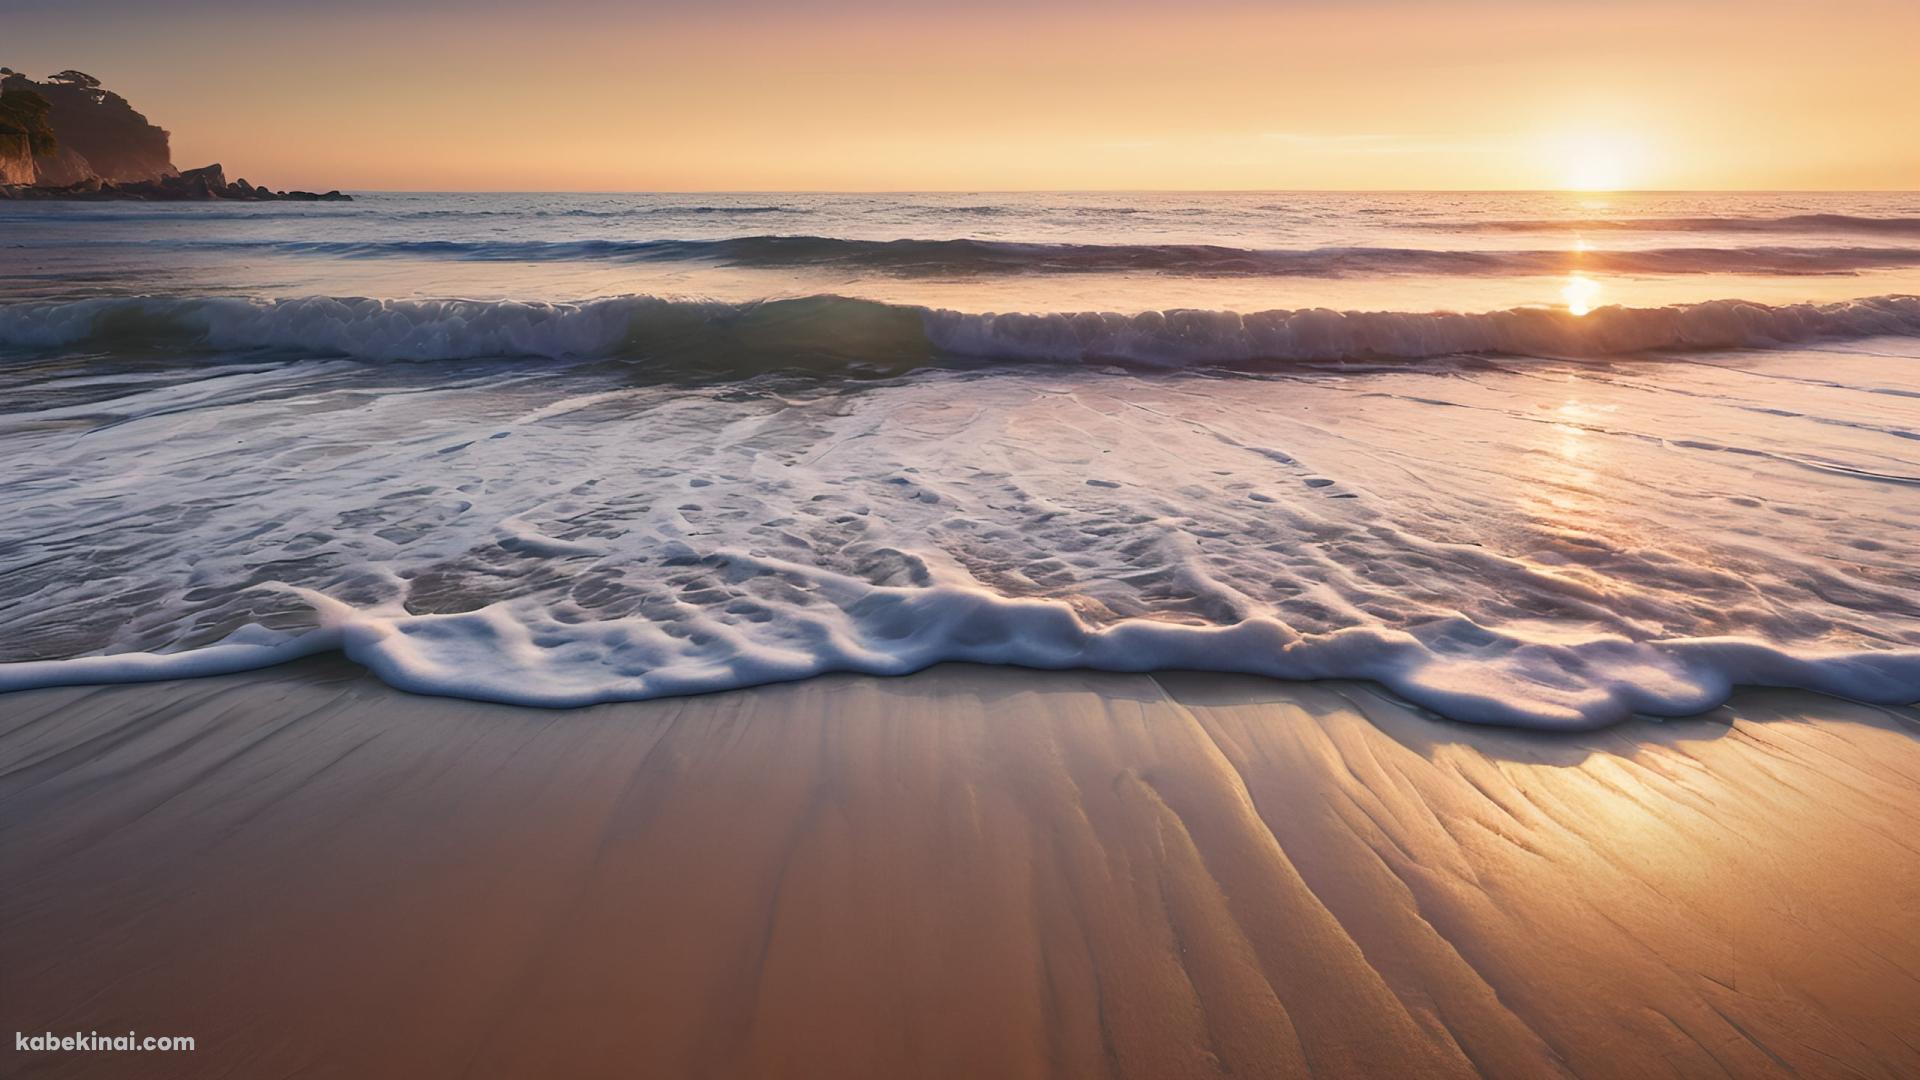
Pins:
<point x="967" y="872"/>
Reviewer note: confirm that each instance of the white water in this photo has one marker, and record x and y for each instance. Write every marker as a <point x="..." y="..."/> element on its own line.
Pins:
<point x="1518" y="514"/>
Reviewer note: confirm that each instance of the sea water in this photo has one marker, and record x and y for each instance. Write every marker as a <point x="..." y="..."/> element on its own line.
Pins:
<point x="1536" y="459"/>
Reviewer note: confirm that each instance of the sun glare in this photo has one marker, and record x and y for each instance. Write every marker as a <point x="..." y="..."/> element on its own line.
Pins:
<point x="1595" y="161"/>
<point x="1581" y="293"/>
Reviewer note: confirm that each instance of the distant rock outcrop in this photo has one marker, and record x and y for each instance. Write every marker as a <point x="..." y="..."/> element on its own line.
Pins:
<point x="66" y="137"/>
<point x="194" y="185"/>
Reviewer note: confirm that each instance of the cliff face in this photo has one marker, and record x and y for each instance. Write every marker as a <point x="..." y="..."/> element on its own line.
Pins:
<point x="16" y="160"/>
<point x="69" y="138"/>
<point x="98" y="134"/>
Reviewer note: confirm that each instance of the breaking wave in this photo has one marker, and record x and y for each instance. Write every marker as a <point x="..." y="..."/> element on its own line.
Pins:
<point x="828" y="331"/>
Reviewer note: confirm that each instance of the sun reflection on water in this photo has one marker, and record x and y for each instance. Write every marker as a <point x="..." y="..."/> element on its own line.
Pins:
<point x="1567" y="494"/>
<point x="1580" y="293"/>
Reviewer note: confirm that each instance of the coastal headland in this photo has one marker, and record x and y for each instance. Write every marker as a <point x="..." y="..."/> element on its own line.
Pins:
<point x="67" y="137"/>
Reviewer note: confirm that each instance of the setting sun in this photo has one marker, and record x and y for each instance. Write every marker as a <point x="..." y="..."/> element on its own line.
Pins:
<point x="1595" y="161"/>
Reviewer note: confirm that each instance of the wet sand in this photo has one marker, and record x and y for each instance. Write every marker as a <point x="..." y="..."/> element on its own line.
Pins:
<point x="969" y="872"/>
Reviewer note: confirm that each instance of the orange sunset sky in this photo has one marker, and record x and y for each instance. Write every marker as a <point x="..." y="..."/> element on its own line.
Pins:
<point x="743" y="94"/>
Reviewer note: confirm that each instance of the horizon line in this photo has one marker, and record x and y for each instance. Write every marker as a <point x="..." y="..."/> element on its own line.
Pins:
<point x="1135" y="191"/>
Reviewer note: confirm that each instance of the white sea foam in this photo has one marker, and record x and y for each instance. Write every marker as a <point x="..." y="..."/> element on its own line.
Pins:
<point x="519" y="533"/>
<point x="522" y="655"/>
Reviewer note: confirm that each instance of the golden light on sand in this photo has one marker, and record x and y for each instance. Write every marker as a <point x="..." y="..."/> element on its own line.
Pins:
<point x="1580" y="293"/>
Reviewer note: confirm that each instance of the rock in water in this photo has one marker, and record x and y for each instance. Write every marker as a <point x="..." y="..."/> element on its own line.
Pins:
<point x="213" y="176"/>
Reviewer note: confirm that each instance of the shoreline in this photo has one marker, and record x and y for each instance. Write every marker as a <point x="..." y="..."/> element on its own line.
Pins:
<point x="967" y="871"/>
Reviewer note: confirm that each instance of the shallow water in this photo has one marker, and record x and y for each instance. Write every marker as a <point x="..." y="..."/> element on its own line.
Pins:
<point x="1579" y="457"/>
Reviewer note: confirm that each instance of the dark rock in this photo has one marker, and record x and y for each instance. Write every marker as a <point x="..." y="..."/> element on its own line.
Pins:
<point x="194" y="185"/>
<point x="213" y="176"/>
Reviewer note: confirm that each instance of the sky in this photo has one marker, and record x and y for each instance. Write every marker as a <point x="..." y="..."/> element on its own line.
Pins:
<point x="738" y="95"/>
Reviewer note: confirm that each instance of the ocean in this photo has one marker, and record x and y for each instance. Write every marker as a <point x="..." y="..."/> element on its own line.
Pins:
<point x="1543" y="460"/>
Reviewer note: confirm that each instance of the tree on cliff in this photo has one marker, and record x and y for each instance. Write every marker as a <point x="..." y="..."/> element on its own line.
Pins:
<point x="23" y="112"/>
<point x="98" y="133"/>
<point x="82" y="83"/>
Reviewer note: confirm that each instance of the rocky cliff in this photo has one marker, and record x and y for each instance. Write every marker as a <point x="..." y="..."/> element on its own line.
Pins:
<point x="67" y="137"/>
<point x="96" y="132"/>
<point x="16" y="159"/>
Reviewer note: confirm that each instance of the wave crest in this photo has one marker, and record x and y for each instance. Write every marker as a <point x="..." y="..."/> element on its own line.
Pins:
<point x="832" y="330"/>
